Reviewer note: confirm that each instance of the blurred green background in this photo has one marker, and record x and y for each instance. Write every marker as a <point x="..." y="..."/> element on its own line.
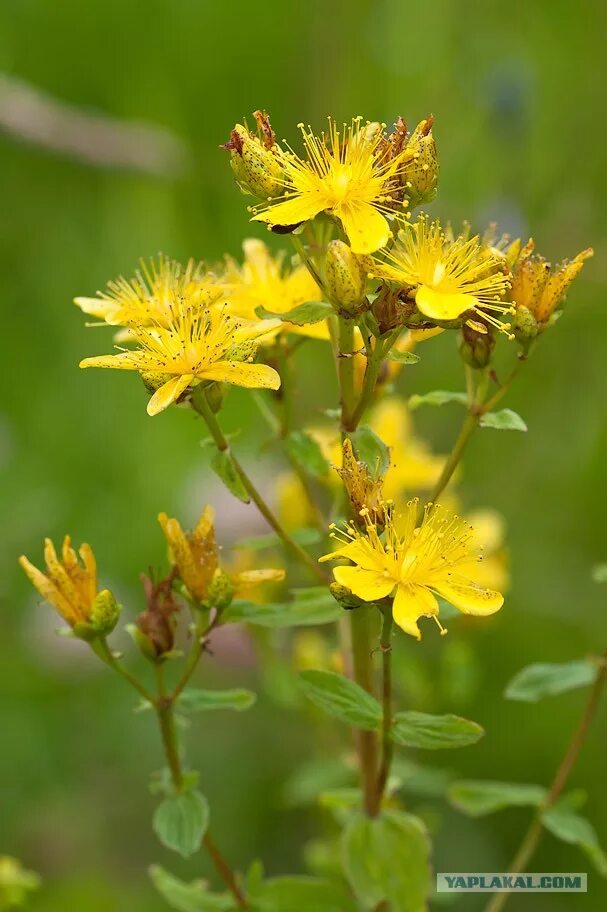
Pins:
<point x="516" y="91"/>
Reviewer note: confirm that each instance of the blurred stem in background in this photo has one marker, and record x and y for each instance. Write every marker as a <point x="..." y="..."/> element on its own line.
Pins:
<point x="534" y="833"/>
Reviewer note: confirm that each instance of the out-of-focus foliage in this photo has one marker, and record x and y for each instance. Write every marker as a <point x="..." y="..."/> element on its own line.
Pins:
<point x="516" y="91"/>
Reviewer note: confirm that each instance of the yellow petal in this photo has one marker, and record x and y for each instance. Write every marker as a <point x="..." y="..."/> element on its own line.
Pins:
<point x="292" y="211"/>
<point x="205" y="523"/>
<point x="168" y="393"/>
<point x="48" y="590"/>
<point x="356" y="552"/>
<point x="256" y="577"/>
<point x="367" y="229"/>
<point x="256" y="376"/>
<point x="366" y="584"/>
<point x="412" y="602"/>
<point x="122" y="361"/>
<point x="470" y="598"/>
<point x="96" y="307"/>
<point x="439" y="305"/>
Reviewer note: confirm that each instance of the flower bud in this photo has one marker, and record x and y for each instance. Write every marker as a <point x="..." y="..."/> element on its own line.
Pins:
<point x="221" y="590"/>
<point x="344" y="597"/>
<point x="345" y="277"/>
<point x="256" y="168"/>
<point x="105" y="612"/>
<point x="476" y="344"/>
<point x="524" y="324"/>
<point x="421" y="175"/>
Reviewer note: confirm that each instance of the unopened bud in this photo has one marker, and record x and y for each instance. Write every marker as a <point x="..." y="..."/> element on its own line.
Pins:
<point x="345" y="277"/>
<point x="421" y="175"/>
<point x="257" y="169"/>
<point x="221" y="590"/>
<point x="344" y="597"/>
<point x="524" y="324"/>
<point x="153" y="380"/>
<point x="476" y="344"/>
<point x="105" y="612"/>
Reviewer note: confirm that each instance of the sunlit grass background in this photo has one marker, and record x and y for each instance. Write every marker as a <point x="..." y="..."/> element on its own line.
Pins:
<point x="516" y="90"/>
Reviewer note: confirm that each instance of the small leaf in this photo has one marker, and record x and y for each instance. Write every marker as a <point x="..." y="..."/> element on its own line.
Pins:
<point x="272" y="540"/>
<point x="371" y="450"/>
<point x="437" y="397"/>
<point x="548" y="679"/>
<point x="342" y="698"/>
<point x="386" y="860"/>
<point x="223" y="466"/>
<point x="417" y="729"/>
<point x="303" y="314"/>
<point x="306" y="452"/>
<point x="403" y="357"/>
<point x="565" y="824"/>
<point x="188" y="897"/>
<point x="504" y="420"/>
<point x="478" y="797"/>
<point x="181" y="821"/>
<point x="301" y="894"/>
<point x="599" y="573"/>
<point x="194" y="699"/>
<point x="309" y="607"/>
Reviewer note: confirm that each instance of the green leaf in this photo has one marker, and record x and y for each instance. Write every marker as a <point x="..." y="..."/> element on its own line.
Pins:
<point x="548" y="679"/>
<point x="342" y="698"/>
<point x="565" y="824"/>
<point x="223" y="466"/>
<point x="403" y="357"/>
<point x="309" y="312"/>
<point x="417" y="729"/>
<point x="301" y="894"/>
<point x="188" y="897"/>
<point x="437" y="397"/>
<point x="272" y="540"/>
<point x="386" y="859"/>
<point x="504" y="420"/>
<point x="181" y="821"/>
<point x="371" y="450"/>
<point x="309" y="607"/>
<point x="194" y="699"/>
<point x="478" y="797"/>
<point x="599" y="573"/>
<point x="306" y="452"/>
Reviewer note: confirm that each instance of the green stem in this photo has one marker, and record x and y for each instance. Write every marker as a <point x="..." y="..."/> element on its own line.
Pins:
<point x="362" y="667"/>
<point x="387" y="743"/>
<point x="104" y="652"/>
<point x="164" y="710"/>
<point x="374" y="362"/>
<point x="534" y="832"/>
<point x="346" y="369"/>
<point x="468" y="427"/>
<point x="501" y="392"/>
<point x="200" y="403"/>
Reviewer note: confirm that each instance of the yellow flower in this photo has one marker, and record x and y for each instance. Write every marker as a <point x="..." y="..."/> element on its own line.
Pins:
<point x="539" y="287"/>
<point x="448" y="277"/>
<point x="344" y="174"/>
<point x="293" y="504"/>
<point x="489" y="530"/>
<point x="264" y="281"/>
<point x="70" y="586"/>
<point x="148" y="299"/>
<point x="413" y="564"/>
<point x="196" y="556"/>
<point x="312" y="650"/>
<point x="198" y="344"/>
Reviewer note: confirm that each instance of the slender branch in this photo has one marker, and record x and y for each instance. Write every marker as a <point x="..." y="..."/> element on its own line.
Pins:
<point x="561" y="777"/>
<point x="104" y="652"/>
<point x="505" y="386"/>
<point x="345" y="366"/>
<point x="387" y="743"/>
<point x="468" y="427"/>
<point x="362" y="662"/>
<point x="164" y="710"/>
<point x="200" y="403"/>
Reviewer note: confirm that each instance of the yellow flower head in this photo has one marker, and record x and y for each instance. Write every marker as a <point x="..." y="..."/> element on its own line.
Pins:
<point x="70" y="585"/>
<point x="263" y="280"/>
<point x="197" y="344"/>
<point x="196" y="556"/>
<point x="539" y="287"/>
<point x="149" y="297"/>
<point x="448" y="276"/>
<point x="346" y="174"/>
<point x="413" y="564"/>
